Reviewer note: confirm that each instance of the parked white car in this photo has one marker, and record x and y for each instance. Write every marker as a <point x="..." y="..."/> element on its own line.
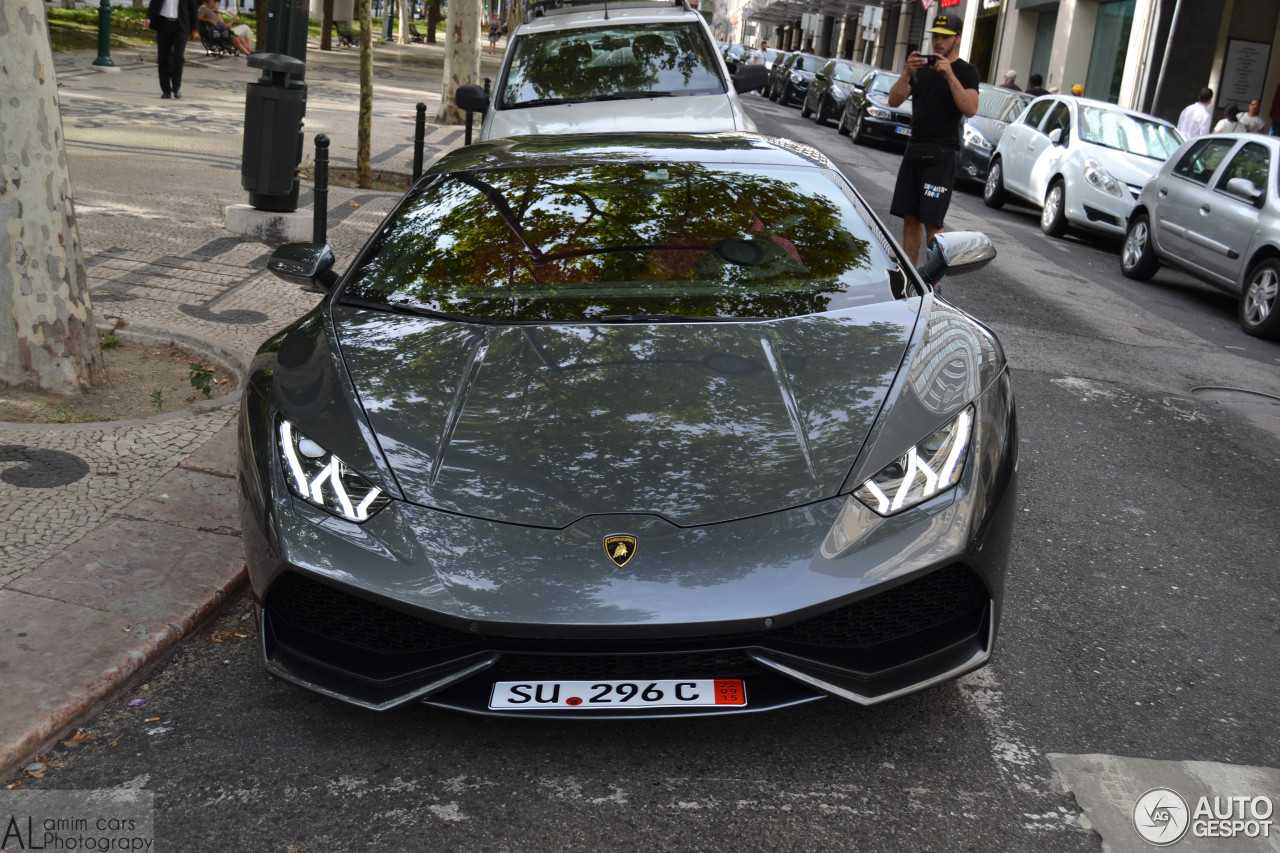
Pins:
<point x="1214" y="210"/>
<point x="1083" y="162"/>
<point x="588" y="67"/>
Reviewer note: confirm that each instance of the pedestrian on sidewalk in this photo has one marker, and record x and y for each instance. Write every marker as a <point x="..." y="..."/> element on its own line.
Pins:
<point x="943" y="89"/>
<point x="495" y="30"/>
<point x="1230" y="121"/>
<point x="1011" y="81"/>
<point x="1253" y="122"/>
<point x="1196" y="119"/>
<point x="174" y="21"/>
<point x="1037" y="85"/>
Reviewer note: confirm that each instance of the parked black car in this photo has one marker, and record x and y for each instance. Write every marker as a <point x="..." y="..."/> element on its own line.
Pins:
<point x="867" y="114"/>
<point x="735" y="55"/>
<point x="780" y="58"/>
<point x="831" y="87"/>
<point x="997" y="108"/>
<point x="790" y="81"/>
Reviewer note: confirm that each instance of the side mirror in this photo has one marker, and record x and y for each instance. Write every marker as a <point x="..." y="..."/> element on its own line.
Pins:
<point x="1245" y="189"/>
<point x="750" y="78"/>
<point x="307" y="264"/>
<point x="1055" y="136"/>
<point x="956" y="252"/>
<point x="471" y="98"/>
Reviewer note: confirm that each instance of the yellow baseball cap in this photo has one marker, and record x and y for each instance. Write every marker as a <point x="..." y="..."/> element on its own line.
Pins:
<point x="1077" y="89"/>
<point x="942" y="25"/>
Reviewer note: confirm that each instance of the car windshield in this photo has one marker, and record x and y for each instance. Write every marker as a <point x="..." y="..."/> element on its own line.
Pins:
<point x="882" y="84"/>
<point x="566" y="66"/>
<point x="843" y="73"/>
<point x="770" y="55"/>
<point x="1120" y="130"/>
<point x="595" y="241"/>
<point x="807" y="62"/>
<point x="1001" y="104"/>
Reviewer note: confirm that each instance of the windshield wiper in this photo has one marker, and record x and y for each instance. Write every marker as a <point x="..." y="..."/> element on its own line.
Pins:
<point x="666" y="318"/>
<point x="544" y="102"/>
<point x="627" y="96"/>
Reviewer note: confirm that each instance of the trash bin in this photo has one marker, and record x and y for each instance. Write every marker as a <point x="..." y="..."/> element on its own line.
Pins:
<point x="273" y="112"/>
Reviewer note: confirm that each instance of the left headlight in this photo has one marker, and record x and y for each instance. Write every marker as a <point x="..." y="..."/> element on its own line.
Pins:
<point x="927" y="469"/>
<point x="796" y="78"/>
<point x="321" y="478"/>
<point x="1097" y="174"/>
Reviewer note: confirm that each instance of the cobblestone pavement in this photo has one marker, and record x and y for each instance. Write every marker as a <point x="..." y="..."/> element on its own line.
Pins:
<point x="116" y="538"/>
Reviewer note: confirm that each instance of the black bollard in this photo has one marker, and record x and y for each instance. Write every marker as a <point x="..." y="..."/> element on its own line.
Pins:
<point x="320" y="219"/>
<point x="466" y="137"/>
<point x="419" y="137"/>
<point x="104" y="36"/>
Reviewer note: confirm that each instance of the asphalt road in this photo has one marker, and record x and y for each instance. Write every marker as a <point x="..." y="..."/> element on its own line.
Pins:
<point x="1140" y="620"/>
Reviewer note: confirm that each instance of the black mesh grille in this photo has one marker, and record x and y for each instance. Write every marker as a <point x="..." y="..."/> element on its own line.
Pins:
<point x="329" y="612"/>
<point x="918" y="605"/>
<point x="923" y="603"/>
<point x="653" y="666"/>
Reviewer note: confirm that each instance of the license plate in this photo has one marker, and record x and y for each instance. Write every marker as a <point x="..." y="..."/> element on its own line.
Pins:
<point x="905" y="131"/>
<point x="577" y="695"/>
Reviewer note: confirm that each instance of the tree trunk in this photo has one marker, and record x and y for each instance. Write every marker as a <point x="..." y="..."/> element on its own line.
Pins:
<point x="406" y="18"/>
<point x="461" y="56"/>
<point x="433" y="20"/>
<point x="326" y="25"/>
<point x="364" y="128"/>
<point x="260" y="9"/>
<point x="47" y="336"/>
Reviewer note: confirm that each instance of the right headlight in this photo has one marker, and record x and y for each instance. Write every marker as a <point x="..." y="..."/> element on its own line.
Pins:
<point x="322" y="479"/>
<point x="929" y="468"/>
<point x="876" y="112"/>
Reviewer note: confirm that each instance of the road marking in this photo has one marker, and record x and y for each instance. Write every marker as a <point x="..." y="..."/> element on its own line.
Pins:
<point x="1107" y="788"/>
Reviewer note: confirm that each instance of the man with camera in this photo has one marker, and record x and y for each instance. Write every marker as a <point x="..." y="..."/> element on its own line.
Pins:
<point x="944" y="91"/>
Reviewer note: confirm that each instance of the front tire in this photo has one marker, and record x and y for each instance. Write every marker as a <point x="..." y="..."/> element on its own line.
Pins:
<point x="858" y="133"/>
<point x="1053" y="216"/>
<point x="841" y="127"/>
<point x="1137" y="257"/>
<point x="805" y="112"/>
<point x="1260" y="301"/>
<point x="820" y="115"/>
<point x="993" y="194"/>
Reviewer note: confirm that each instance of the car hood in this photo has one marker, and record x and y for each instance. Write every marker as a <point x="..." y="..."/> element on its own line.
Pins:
<point x="692" y="422"/>
<point x="679" y="114"/>
<point x="1127" y="168"/>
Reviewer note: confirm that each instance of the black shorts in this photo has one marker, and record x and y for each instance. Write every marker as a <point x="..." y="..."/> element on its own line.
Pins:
<point x="924" y="185"/>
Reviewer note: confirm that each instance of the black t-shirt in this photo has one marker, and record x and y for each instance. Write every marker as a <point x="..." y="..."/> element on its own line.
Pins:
<point x="935" y="118"/>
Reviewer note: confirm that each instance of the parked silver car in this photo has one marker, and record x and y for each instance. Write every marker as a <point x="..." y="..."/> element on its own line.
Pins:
<point x="1083" y="162"/>
<point x="576" y="66"/>
<point x="1214" y="210"/>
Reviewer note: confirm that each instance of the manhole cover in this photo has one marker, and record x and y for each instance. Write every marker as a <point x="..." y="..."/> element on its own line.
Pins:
<point x="1252" y="402"/>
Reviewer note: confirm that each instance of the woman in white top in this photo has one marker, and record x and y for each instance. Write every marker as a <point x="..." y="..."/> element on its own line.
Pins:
<point x="1231" y="123"/>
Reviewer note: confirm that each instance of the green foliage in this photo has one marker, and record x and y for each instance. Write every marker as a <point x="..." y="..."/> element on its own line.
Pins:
<point x="201" y="378"/>
<point x="157" y="399"/>
<point x="110" y="341"/>
<point x="77" y="29"/>
<point x="68" y="415"/>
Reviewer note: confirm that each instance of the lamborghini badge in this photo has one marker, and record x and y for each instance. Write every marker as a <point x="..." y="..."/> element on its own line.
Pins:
<point x="620" y="549"/>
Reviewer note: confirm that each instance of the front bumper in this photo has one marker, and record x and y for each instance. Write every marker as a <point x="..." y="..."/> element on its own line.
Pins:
<point x="1095" y="209"/>
<point x="847" y="605"/>
<point x="972" y="163"/>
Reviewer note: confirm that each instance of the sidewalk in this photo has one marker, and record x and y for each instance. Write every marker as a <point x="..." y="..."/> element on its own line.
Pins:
<point x="118" y="539"/>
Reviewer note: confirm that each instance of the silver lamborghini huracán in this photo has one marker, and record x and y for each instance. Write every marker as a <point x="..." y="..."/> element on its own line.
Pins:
<point x="623" y="426"/>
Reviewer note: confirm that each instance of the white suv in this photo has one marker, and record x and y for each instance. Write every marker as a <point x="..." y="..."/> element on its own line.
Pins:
<point x="622" y="67"/>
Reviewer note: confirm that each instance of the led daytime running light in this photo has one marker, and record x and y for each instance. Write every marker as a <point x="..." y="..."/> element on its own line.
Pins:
<point x="924" y="474"/>
<point x="325" y="480"/>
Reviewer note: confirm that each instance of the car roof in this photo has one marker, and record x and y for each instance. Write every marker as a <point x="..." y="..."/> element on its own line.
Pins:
<point x="640" y="12"/>
<point x="1104" y="105"/>
<point x="576" y="149"/>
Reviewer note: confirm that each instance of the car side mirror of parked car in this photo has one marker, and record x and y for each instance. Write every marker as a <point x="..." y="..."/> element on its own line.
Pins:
<point x="749" y="78"/>
<point x="955" y="252"/>
<point x="471" y="98"/>
<point x="1245" y="189"/>
<point x="1055" y="136"/>
<point x="307" y="264"/>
